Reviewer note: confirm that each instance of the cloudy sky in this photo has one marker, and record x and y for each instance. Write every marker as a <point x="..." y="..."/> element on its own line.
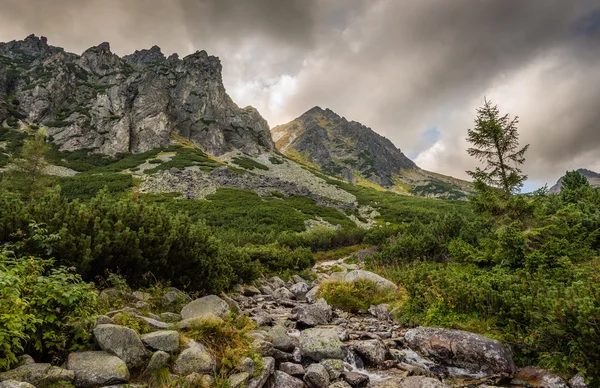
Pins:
<point x="413" y="71"/>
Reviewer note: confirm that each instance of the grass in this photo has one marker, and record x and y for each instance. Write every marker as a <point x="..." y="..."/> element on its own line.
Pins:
<point x="357" y="297"/>
<point x="184" y="157"/>
<point x="249" y="164"/>
<point x="339" y="253"/>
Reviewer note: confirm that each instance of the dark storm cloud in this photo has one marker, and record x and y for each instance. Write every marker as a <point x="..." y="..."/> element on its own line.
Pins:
<point x="401" y="67"/>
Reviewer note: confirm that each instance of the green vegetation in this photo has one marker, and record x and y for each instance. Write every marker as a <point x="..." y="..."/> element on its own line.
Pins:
<point x="249" y="164"/>
<point x="275" y="160"/>
<point x="85" y="187"/>
<point x="357" y="297"/>
<point x="184" y="157"/>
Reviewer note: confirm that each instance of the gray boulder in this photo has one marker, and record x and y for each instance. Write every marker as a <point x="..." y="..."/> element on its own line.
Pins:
<point x="166" y="340"/>
<point x="311" y="296"/>
<point x="316" y="376"/>
<point x="97" y="368"/>
<point x="173" y="299"/>
<point x="299" y="290"/>
<point x="276" y="282"/>
<point x="283" y="293"/>
<point x="239" y="380"/>
<point x="208" y="305"/>
<point x="262" y="319"/>
<point x="38" y="374"/>
<point x="411" y="382"/>
<point x="251" y="291"/>
<point x="15" y="384"/>
<point x="538" y="378"/>
<point x="280" y="339"/>
<point x="321" y="343"/>
<point x="292" y="369"/>
<point x="355" y="379"/>
<point x="155" y="324"/>
<point x="313" y="314"/>
<point x="123" y="342"/>
<point x="283" y="380"/>
<point x="382" y="283"/>
<point x="462" y="349"/>
<point x="158" y="360"/>
<point x="578" y="381"/>
<point x="373" y="352"/>
<point x="170" y="317"/>
<point x="268" y="370"/>
<point x="334" y="368"/>
<point x="340" y="384"/>
<point x="194" y="358"/>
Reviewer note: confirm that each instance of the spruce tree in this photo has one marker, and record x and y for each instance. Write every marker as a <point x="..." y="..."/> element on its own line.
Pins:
<point x="495" y="142"/>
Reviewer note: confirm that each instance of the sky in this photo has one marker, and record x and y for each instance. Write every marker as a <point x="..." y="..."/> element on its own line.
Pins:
<point x="413" y="71"/>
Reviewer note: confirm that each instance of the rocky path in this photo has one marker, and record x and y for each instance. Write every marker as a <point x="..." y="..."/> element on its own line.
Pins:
<point x="302" y="340"/>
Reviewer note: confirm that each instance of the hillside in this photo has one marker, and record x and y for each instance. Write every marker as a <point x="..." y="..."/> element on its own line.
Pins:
<point x="592" y="177"/>
<point x="355" y="153"/>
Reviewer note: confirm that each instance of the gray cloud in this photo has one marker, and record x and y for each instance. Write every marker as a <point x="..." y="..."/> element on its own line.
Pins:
<point x="400" y="67"/>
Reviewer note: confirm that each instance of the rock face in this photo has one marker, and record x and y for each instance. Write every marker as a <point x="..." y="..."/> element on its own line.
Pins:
<point x="111" y="105"/>
<point x="462" y="349"/>
<point x="97" y="368"/>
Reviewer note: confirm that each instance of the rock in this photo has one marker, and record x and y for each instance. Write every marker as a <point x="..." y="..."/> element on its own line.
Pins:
<point x="247" y="365"/>
<point x="264" y="348"/>
<point x="233" y="306"/>
<point x="462" y="349"/>
<point x="15" y="384"/>
<point x="355" y="379"/>
<point x="382" y="283"/>
<point x="380" y="311"/>
<point x="251" y="291"/>
<point x="276" y="282"/>
<point x="97" y="368"/>
<point x="321" y="343"/>
<point x="262" y="319"/>
<point x="411" y="382"/>
<point x="334" y="368"/>
<point x="292" y="369"/>
<point x="538" y="378"/>
<point x="340" y="384"/>
<point x="123" y="342"/>
<point x="311" y="296"/>
<point x="155" y="324"/>
<point x="297" y="279"/>
<point x="238" y="380"/>
<point x="140" y="305"/>
<point x="268" y="370"/>
<point x="280" y="339"/>
<point x="266" y="290"/>
<point x="280" y="356"/>
<point x="158" y="360"/>
<point x="173" y="299"/>
<point x="38" y="374"/>
<point x="283" y="293"/>
<point x="194" y="358"/>
<point x="199" y="380"/>
<point x="142" y="296"/>
<point x="186" y="324"/>
<point x="299" y="290"/>
<point x="283" y="380"/>
<point x="24" y="359"/>
<point x="373" y="352"/>
<point x="104" y="320"/>
<point x="316" y="376"/>
<point x="578" y="381"/>
<point x="167" y="340"/>
<point x="210" y="304"/>
<point x="313" y="315"/>
<point x="170" y="317"/>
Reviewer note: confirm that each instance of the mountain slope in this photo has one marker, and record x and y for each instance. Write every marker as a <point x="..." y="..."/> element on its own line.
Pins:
<point x="592" y="177"/>
<point x="104" y="103"/>
<point x="355" y="153"/>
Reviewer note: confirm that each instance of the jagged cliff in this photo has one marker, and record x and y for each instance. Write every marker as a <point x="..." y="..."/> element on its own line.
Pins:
<point x="108" y="104"/>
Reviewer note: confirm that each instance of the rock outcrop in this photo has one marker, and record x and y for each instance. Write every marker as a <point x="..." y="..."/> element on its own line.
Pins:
<point x="108" y="104"/>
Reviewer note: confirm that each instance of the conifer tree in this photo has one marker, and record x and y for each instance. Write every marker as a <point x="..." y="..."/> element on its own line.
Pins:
<point x="495" y="142"/>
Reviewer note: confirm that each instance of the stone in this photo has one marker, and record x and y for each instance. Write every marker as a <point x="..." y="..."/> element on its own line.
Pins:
<point x="340" y="384"/>
<point x="373" y="352"/>
<point x="186" y="324"/>
<point x="155" y="324"/>
<point x="280" y="356"/>
<point x="266" y="290"/>
<point x="196" y="379"/>
<point x="411" y="382"/>
<point x="251" y="291"/>
<point x="247" y="365"/>
<point x="104" y="320"/>
<point x="170" y="317"/>
<point x="334" y="368"/>
<point x="264" y="348"/>
<point x="292" y="369"/>
<point x="283" y="293"/>
<point x="238" y="380"/>
<point x="194" y="358"/>
<point x="173" y="299"/>
<point x="283" y="380"/>
<point x="38" y="374"/>
<point x="382" y="283"/>
<point x="578" y="381"/>
<point x="321" y="343"/>
<point x="280" y="339"/>
<point x="380" y="311"/>
<point x="276" y="282"/>
<point x="311" y="296"/>
<point x="142" y="296"/>
<point x="233" y="305"/>
<point x="157" y="361"/>
<point x="462" y="349"/>
<point x="355" y="379"/>
<point x="166" y="340"/>
<point x="123" y="342"/>
<point x="24" y="359"/>
<point x="268" y="370"/>
<point x="210" y="304"/>
<point x="538" y="378"/>
<point x="316" y="376"/>
<point x="262" y="319"/>
<point x="15" y="384"/>
<point x="313" y="315"/>
<point x="297" y="279"/>
<point x="97" y="368"/>
<point x="299" y="290"/>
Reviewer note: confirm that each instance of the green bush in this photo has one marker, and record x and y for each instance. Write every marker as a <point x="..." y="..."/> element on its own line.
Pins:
<point x="357" y="297"/>
<point x="249" y="164"/>
<point x="85" y="187"/>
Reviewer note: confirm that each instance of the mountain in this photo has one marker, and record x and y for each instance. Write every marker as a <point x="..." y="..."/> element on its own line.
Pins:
<point x="592" y="177"/>
<point x="356" y="153"/>
<point x="107" y="104"/>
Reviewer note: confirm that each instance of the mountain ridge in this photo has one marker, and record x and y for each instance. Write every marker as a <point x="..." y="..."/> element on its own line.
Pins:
<point x="592" y="177"/>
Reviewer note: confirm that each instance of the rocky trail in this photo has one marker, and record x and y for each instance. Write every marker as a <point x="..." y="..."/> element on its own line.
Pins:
<point x="302" y="340"/>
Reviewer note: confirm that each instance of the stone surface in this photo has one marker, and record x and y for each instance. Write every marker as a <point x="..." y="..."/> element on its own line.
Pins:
<point x="283" y="293"/>
<point x="210" y="304"/>
<point x="381" y="282"/>
<point x="158" y="360"/>
<point x="194" y="358"/>
<point x="38" y="374"/>
<point x="314" y="314"/>
<point x="340" y="384"/>
<point x="268" y="370"/>
<point x="123" y="342"/>
<point x="316" y="376"/>
<point x="320" y="344"/>
<point x="538" y="378"/>
<point x="166" y="340"/>
<point x="292" y="369"/>
<point x="462" y="349"/>
<point x="174" y="299"/>
<point x="97" y="368"/>
<point x="283" y="380"/>
<point x="280" y="339"/>
<point x="239" y="380"/>
<point x="334" y="368"/>
<point x="355" y="379"/>
<point x="373" y="352"/>
<point x="15" y="384"/>
<point x="299" y="290"/>
<point x="411" y="382"/>
<point x="578" y="381"/>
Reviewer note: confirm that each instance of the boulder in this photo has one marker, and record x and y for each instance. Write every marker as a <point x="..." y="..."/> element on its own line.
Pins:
<point x="173" y="299"/>
<point x="578" y="381"/>
<point x="334" y="368"/>
<point x="283" y="380"/>
<point x="311" y="296"/>
<point x="38" y="374"/>
<point x="411" y="382"/>
<point x="210" y="304"/>
<point x="538" y="378"/>
<point x="280" y="339"/>
<point x="266" y="290"/>
<point x="340" y="384"/>
<point x="238" y="380"/>
<point x="321" y="343"/>
<point x="97" y="368"/>
<point x="264" y="348"/>
<point x="292" y="369"/>
<point x="382" y="283"/>
<point x="316" y="376"/>
<point x="170" y="317"/>
<point x="262" y="319"/>
<point x="123" y="342"/>
<point x="194" y="358"/>
<point x="276" y="282"/>
<point x="186" y="324"/>
<point x="15" y="384"/>
<point x="462" y="349"/>
<point x="355" y="379"/>
<point x="380" y="311"/>
<point x="155" y="324"/>
<point x="251" y="291"/>
<point x="299" y="290"/>
<point x="283" y="293"/>
<point x="313" y="314"/>
<point x="166" y="340"/>
<point x="373" y="352"/>
<point x="268" y="370"/>
<point x="158" y="360"/>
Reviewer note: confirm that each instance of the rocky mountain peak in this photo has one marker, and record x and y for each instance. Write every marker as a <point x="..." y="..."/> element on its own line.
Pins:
<point x="146" y="56"/>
